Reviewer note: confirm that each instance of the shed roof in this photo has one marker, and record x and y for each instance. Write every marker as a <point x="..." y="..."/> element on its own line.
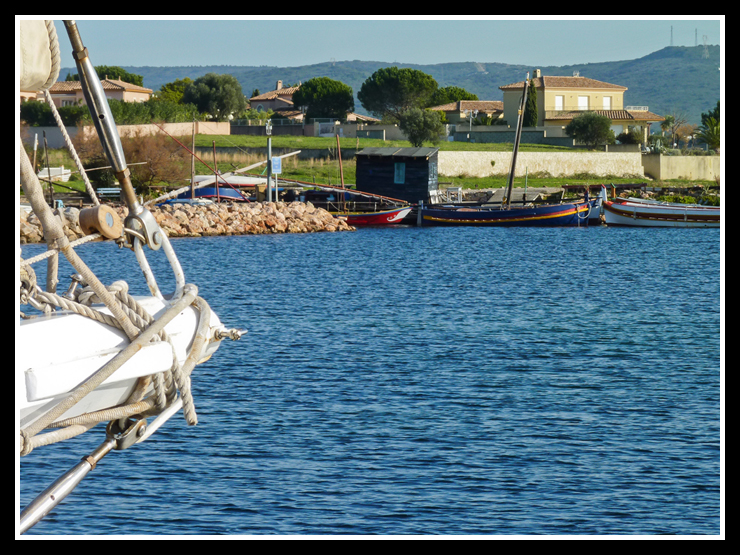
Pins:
<point x="410" y="152"/>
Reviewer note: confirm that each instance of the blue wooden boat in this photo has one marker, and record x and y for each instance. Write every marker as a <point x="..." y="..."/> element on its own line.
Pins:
<point x="566" y="214"/>
<point x="222" y="193"/>
<point x="562" y="214"/>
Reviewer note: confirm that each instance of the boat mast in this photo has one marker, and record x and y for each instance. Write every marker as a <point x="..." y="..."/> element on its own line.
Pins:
<point x="517" y="137"/>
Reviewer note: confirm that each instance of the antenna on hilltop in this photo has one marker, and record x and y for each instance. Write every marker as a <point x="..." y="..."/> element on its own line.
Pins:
<point x="705" y="55"/>
<point x="671" y="35"/>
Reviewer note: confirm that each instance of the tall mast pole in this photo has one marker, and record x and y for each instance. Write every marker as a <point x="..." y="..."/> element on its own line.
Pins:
<point x="517" y="137"/>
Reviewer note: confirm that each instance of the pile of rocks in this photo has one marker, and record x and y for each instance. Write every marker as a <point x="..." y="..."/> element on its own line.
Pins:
<point x="185" y="220"/>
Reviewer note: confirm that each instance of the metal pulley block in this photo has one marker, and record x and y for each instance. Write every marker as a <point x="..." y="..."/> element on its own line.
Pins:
<point x="101" y="219"/>
<point x="126" y="432"/>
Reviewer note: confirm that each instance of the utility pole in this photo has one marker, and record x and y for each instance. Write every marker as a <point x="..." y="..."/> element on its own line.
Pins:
<point x="268" y="130"/>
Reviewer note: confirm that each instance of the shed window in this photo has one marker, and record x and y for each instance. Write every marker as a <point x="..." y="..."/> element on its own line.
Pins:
<point x="399" y="176"/>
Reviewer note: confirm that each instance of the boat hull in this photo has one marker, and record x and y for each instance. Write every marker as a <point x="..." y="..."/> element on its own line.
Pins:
<point x="547" y="215"/>
<point x="387" y="217"/>
<point x="75" y="347"/>
<point x="638" y="214"/>
<point x="222" y="193"/>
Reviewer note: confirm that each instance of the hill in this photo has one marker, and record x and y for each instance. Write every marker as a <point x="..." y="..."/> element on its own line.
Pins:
<point x="674" y="79"/>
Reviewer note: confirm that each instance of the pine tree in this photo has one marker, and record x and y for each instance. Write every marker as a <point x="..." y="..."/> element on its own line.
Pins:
<point x="530" y="110"/>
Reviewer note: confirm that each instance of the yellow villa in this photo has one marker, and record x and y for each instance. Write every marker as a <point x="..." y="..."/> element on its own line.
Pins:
<point x="560" y="99"/>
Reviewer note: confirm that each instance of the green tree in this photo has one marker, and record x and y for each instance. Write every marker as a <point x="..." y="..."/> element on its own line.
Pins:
<point x="36" y="113"/>
<point x="218" y="95"/>
<point x="631" y="137"/>
<point x="325" y="98"/>
<point x="709" y="133"/>
<point x="714" y="113"/>
<point x="421" y="125"/>
<point x="112" y="72"/>
<point x="447" y="95"/>
<point x="530" y="110"/>
<point x="390" y="91"/>
<point x="591" y="129"/>
<point x="172" y="92"/>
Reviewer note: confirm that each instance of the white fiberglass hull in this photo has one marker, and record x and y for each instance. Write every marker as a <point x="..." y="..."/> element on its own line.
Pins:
<point x="632" y="213"/>
<point x="59" y="351"/>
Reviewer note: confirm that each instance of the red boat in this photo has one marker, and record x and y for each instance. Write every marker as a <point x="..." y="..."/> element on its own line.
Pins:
<point x="386" y="217"/>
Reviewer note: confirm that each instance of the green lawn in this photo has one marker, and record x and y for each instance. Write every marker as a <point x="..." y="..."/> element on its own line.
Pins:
<point x="297" y="143"/>
<point x="326" y="170"/>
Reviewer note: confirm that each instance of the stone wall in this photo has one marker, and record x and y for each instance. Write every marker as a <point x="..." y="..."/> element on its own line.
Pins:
<point x="184" y="220"/>
<point x="659" y="166"/>
<point x="556" y="164"/>
<point x="55" y="139"/>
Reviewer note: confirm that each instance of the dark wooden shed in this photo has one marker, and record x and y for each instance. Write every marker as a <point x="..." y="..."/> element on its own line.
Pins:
<point x="402" y="173"/>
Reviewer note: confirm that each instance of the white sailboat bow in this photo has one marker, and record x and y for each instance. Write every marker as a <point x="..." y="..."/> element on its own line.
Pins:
<point x="96" y="354"/>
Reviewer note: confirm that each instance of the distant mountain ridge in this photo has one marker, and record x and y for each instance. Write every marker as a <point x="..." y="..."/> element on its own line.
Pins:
<point x="674" y="79"/>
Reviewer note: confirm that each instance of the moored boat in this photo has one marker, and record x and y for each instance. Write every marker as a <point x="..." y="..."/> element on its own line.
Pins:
<point x="577" y="213"/>
<point x="636" y="212"/>
<point x="385" y="217"/>
<point x="217" y="194"/>
<point x="566" y="214"/>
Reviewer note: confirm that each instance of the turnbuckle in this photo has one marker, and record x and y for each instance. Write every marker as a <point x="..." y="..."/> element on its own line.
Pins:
<point x="120" y="434"/>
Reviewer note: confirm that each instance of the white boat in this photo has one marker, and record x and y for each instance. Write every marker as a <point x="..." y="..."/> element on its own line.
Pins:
<point x="55" y="174"/>
<point x="96" y="354"/>
<point x="650" y="213"/>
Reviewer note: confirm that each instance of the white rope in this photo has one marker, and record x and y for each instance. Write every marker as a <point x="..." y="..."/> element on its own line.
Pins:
<point x="56" y="59"/>
<point x="47" y="254"/>
<point x="71" y="148"/>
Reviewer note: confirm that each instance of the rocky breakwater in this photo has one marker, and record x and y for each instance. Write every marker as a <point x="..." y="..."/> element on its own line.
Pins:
<point x="185" y="220"/>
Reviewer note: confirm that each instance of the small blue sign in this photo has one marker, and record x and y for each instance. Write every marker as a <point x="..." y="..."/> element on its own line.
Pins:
<point x="277" y="165"/>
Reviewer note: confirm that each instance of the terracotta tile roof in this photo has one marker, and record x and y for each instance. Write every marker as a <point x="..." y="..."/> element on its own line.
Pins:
<point x="108" y="85"/>
<point x="554" y="82"/>
<point x="480" y="105"/>
<point x="287" y="113"/>
<point x="285" y="91"/>
<point x="645" y="116"/>
<point x="614" y="115"/>
<point x="352" y="116"/>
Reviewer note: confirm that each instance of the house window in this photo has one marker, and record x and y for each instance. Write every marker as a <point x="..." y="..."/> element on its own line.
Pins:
<point x="559" y="103"/>
<point x="607" y="103"/>
<point x="399" y="176"/>
<point x="583" y="103"/>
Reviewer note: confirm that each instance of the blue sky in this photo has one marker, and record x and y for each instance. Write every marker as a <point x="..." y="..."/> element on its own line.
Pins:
<point x="272" y="41"/>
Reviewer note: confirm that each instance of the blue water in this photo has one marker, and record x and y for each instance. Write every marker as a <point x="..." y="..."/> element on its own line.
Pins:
<point x="428" y="381"/>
